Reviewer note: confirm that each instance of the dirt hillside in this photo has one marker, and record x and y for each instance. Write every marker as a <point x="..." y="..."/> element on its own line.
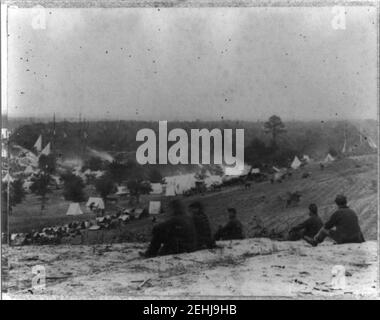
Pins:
<point x="252" y="267"/>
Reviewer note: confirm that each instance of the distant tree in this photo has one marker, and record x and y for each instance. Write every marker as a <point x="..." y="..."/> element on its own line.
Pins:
<point x="257" y="152"/>
<point x="138" y="187"/>
<point x="155" y="176"/>
<point x="94" y="164"/>
<point x="4" y="212"/>
<point x="202" y="174"/>
<point x="135" y="171"/>
<point x="218" y="170"/>
<point x="105" y="186"/>
<point x="16" y="194"/>
<point x="274" y="126"/>
<point x="73" y="188"/>
<point x="47" y="163"/>
<point x="117" y="171"/>
<point x="40" y="187"/>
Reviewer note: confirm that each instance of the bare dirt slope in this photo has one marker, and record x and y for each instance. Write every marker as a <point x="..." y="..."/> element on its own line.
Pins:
<point x="356" y="178"/>
<point x="252" y="267"/>
<point x="261" y="204"/>
<point x="264" y="202"/>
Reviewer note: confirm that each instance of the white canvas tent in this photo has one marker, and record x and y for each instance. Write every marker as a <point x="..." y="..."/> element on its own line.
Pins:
<point x="46" y="151"/>
<point x="156" y="188"/>
<point x="306" y="158"/>
<point x="154" y="207"/>
<point x="329" y="158"/>
<point x="5" y="133"/>
<point x="296" y="163"/>
<point x="74" y="209"/>
<point x="4" y="153"/>
<point x="38" y="144"/>
<point x="8" y="178"/>
<point x="232" y="171"/>
<point x="179" y="184"/>
<point x="255" y="170"/>
<point x="170" y="189"/>
<point x="122" y="191"/>
<point x="95" y="203"/>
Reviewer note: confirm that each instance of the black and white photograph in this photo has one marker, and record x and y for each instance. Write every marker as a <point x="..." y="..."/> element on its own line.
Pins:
<point x="189" y="150"/>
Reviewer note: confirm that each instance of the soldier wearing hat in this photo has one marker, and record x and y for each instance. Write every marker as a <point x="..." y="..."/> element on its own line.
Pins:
<point x="308" y="228"/>
<point x="344" y="221"/>
<point x="232" y="230"/>
<point x="202" y="226"/>
<point x="176" y="235"/>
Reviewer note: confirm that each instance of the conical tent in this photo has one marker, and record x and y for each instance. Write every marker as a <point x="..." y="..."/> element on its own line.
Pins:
<point x="306" y="158"/>
<point x="95" y="203"/>
<point x="38" y="144"/>
<point x="296" y="163"/>
<point x="8" y="178"/>
<point x="329" y="158"/>
<point x="74" y="209"/>
<point x="46" y="150"/>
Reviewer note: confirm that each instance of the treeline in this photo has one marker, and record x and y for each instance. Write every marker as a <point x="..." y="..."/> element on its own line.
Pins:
<point x="314" y="138"/>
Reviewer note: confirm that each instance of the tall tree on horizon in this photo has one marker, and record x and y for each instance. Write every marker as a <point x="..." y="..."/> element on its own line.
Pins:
<point x="274" y="126"/>
<point x="40" y="187"/>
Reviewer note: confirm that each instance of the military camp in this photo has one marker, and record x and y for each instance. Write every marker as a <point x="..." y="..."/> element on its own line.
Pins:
<point x="189" y="149"/>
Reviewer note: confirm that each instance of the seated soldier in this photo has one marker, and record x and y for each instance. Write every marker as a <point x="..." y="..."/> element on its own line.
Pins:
<point x="176" y="235"/>
<point x="232" y="230"/>
<point x="202" y="227"/>
<point x="345" y="222"/>
<point x="309" y="227"/>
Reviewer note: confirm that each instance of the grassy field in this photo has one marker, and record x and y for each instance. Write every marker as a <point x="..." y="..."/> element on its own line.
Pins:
<point x="355" y="177"/>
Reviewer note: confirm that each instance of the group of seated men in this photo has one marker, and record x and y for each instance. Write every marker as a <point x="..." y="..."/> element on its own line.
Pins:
<point x="184" y="232"/>
<point x="342" y="227"/>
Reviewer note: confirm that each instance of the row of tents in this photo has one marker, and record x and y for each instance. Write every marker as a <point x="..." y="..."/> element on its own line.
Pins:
<point x="297" y="163"/>
<point x="38" y="146"/>
<point x="96" y="204"/>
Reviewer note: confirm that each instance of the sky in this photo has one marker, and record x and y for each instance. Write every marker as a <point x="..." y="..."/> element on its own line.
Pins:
<point x="192" y="63"/>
